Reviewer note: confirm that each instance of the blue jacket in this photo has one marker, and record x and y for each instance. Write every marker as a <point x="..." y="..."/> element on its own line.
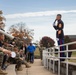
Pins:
<point x="31" y="49"/>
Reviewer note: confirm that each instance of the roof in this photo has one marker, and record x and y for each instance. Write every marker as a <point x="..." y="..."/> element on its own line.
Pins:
<point x="72" y="36"/>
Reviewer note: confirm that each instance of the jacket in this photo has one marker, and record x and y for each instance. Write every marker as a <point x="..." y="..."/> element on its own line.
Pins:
<point x="59" y="27"/>
<point x="31" y="49"/>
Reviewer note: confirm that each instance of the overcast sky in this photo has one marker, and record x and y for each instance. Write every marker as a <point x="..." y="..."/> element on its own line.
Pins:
<point x="40" y="14"/>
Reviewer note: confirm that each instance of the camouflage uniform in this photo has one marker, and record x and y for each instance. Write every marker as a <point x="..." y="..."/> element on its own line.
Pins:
<point x="18" y="62"/>
<point x="1" y="61"/>
<point x="1" y="58"/>
<point x="9" y="48"/>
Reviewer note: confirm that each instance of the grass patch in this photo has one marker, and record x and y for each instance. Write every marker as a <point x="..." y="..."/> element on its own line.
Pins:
<point x="37" y="53"/>
<point x="73" y="54"/>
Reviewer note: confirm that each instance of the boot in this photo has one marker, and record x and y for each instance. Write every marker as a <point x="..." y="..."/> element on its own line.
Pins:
<point x="3" y="72"/>
<point x="20" y="68"/>
<point x="1" y="61"/>
<point x="27" y="65"/>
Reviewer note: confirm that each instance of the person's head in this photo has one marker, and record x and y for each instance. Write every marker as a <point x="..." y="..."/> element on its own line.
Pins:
<point x="30" y="44"/>
<point x="2" y="37"/>
<point x="21" y="51"/>
<point x="24" y="44"/>
<point x="59" y="16"/>
<point x="16" y="49"/>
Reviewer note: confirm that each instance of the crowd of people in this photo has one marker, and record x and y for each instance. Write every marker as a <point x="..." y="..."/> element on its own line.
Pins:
<point x="24" y="54"/>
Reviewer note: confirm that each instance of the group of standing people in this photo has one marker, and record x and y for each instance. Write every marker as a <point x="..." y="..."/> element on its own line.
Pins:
<point x="29" y="52"/>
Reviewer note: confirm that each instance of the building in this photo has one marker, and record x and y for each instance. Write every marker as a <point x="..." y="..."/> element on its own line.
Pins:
<point x="72" y="37"/>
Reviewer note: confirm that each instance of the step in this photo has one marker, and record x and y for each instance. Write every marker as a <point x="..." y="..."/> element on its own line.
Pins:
<point x="11" y="70"/>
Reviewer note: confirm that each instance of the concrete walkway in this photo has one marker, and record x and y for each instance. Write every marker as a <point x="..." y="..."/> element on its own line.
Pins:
<point x="36" y="69"/>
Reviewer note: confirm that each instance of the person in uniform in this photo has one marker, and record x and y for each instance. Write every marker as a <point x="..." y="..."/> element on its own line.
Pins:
<point x="59" y="26"/>
<point x="22" y="58"/>
<point x="18" y="60"/>
<point x="2" y="61"/>
<point x="24" y="48"/>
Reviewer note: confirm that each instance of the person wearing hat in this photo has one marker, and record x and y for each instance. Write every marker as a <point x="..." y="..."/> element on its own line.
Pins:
<point x="59" y="26"/>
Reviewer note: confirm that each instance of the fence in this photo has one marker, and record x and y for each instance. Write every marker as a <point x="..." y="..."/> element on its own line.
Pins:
<point x="50" y="54"/>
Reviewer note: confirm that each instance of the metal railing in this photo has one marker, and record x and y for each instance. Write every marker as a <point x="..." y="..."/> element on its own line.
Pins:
<point x="50" y="54"/>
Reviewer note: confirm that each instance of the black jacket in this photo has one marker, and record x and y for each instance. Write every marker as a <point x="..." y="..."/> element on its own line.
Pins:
<point x="25" y="50"/>
<point x="57" y="28"/>
<point x="1" y="44"/>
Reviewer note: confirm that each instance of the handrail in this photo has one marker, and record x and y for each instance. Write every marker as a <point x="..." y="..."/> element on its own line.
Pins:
<point x="62" y="51"/>
<point x="63" y="45"/>
<point x="51" y="54"/>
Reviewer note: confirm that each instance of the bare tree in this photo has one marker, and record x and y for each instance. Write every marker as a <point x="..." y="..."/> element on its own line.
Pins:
<point x="21" y="31"/>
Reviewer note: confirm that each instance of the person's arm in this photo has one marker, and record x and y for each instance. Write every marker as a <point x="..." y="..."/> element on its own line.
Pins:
<point x="27" y="50"/>
<point x="59" y="32"/>
<point x="34" y="48"/>
<point x="17" y="56"/>
<point x="60" y="26"/>
<point x="5" y="50"/>
<point x="55" y="24"/>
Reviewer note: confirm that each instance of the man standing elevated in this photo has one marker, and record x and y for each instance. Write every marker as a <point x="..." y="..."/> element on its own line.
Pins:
<point x="58" y="26"/>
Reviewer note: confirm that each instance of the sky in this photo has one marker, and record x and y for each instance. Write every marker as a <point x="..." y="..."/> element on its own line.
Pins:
<point x="40" y="15"/>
